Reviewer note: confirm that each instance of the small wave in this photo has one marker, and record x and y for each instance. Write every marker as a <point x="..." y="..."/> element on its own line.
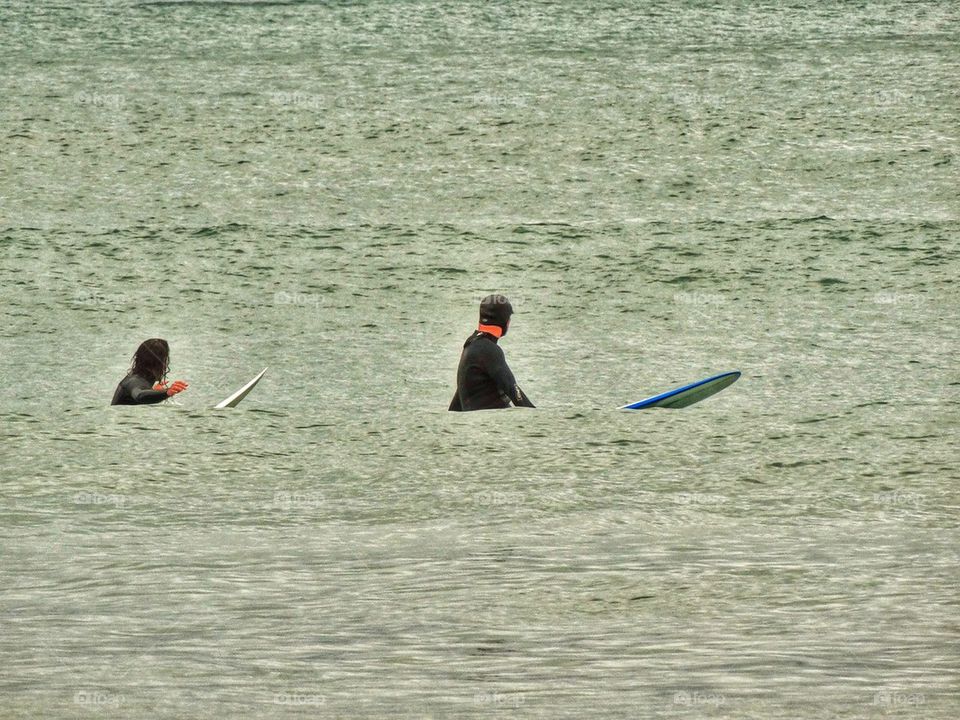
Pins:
<point x="220" y="3"/>
<point x="210" y="230"/>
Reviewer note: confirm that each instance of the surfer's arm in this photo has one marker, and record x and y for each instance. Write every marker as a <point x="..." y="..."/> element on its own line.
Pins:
<point x="519" y="399"/>
<point x="506" y="383"/>
<point x="143" y="394"/>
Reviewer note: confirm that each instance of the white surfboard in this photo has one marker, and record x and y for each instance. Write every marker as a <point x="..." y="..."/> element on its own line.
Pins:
<point x="240" y="394"/>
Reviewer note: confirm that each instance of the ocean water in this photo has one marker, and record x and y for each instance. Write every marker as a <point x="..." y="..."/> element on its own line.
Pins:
<point x="328" y="189"/>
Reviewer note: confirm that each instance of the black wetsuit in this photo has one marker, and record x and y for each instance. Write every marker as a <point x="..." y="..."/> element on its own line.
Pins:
<point x="484" y="380"/>
<point x="137" y="390"/>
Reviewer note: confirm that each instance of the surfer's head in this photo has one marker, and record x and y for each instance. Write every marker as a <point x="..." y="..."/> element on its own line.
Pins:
<point x="495" y="310"/>
<point x="151" y="359"/>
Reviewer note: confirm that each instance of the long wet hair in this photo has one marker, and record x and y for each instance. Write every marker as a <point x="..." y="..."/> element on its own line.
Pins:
<point x="151" y="360"/>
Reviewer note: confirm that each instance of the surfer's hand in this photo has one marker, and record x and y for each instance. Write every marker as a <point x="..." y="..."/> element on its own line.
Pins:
<point x="178" y="386"/>
<point x="160" y="386"/>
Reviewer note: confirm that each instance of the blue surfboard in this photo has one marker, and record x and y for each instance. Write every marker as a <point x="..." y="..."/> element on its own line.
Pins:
<point x="687" y="394"/>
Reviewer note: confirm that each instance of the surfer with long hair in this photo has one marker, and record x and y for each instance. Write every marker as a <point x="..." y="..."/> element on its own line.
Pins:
<point x="146" y="382"/>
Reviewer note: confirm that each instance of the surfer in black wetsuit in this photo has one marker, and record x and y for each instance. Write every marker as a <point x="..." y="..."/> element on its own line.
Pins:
<point x="484" y="380"/>
<point x="145" y="382"/>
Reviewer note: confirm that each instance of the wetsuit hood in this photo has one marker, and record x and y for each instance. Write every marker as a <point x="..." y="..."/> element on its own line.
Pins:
<point x="495" y="311"/>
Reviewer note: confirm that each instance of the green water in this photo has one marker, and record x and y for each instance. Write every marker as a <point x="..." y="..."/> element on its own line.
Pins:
<point x="328" y="189"/>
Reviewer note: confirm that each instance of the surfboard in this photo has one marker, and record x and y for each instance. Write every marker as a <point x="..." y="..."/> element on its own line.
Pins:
<point x="687" y="394"/>
<point x="240" y="394"/>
